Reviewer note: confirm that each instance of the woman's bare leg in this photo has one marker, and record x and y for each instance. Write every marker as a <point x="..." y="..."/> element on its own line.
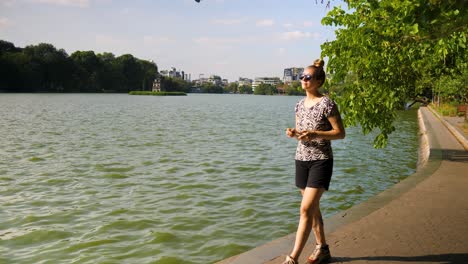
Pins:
<point x="317" y="227"/>
<point x="310" y="217"/>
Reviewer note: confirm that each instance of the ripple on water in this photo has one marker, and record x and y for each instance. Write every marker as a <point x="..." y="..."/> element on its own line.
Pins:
<point x="114" y="176"/>
<point x="163" y="237"/>
<point x="350" y="170"/>
<point x="192" y="225"/>
<point x="196" y="187"/>
<point x="36" y="159"/>
<point x="173" y="170"/>
<point x="113" y="167"/>
<point x="132" y="225"/>
<point x="215" y="171"/>
<point x="246" y="169"/>
<point x="27" y="238"/>
<point x="80" y="245"/>
<point x="171" y="260"/>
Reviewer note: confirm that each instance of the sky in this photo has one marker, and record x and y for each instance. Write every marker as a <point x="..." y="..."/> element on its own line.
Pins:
<point x="228" y="38"/>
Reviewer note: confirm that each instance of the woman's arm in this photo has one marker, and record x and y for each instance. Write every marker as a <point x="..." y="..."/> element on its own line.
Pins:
<point x="337" y="131"/>
<point x="292" y="132"/>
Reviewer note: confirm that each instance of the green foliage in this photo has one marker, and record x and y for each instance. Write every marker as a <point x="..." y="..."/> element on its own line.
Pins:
<point x="245" y="89"/>
<point x="448" y="87"/>
<point x="391" y="51"/>
<point x="446" y="109"/>
<point x="43" y="68"/>
<point x="231" y="88"/>
<point x="265" y="89"/>
<point x="211" y="88"/>
<point x="156" y="93"/>
<point x="295" y="88"/>
<point x="169" y="84"/>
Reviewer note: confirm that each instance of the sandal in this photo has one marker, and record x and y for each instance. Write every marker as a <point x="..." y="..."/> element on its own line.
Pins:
<point x="289" y="260"/>
<point x="321" y="254"/>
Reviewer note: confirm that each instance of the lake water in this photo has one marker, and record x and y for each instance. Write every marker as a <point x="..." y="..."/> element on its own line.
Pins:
<point x="114" y="178"/>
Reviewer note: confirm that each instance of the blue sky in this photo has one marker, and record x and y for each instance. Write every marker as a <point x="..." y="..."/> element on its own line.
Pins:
<point x="229" y="38"/>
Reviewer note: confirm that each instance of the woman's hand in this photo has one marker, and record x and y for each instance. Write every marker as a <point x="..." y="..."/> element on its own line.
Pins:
<point x="291" y="132"/>
<point x="306" y="135"/>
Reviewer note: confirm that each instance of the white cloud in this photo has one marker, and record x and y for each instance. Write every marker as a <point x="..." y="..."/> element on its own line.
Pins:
<point x="151" y="40"/>
<point x="217" y="41"/>
<point x="297" y="35"/>
<point x="316" y="35"/>
<point x="281" y="51"/>
<point x="75" y="3"/>
<point x="265" y="23"/>
<point x="288" y="25"/>
<point x="8" y="3"/>
<point x="228" y="21"/>
<point x="125" y="11"/>
<point x="4" y="23"/>
<point x="109" y="41"/>
<point x="308" y="23"/>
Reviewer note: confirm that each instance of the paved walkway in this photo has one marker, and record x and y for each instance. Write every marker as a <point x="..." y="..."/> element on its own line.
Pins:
<point x="422" y="219"/>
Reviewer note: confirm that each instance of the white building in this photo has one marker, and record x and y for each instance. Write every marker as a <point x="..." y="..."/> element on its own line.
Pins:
<point x="266" y="80"/>
<point x="244" y="81"/>
<point x="173" y="73"/>
<point x="292" y="74"/>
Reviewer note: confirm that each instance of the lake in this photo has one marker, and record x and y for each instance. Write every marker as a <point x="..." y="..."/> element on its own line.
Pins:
<point x="114" y="178"/>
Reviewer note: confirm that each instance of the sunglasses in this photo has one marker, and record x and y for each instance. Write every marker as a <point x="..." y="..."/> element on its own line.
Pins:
<point x="306" y="77"/>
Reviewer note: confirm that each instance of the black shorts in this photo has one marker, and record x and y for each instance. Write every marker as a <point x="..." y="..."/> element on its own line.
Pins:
<point x="314" y="173"/>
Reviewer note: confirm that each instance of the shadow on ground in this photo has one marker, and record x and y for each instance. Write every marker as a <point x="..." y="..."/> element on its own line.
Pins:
<point x="454" y="155"/>
<point x="455" y="258"/>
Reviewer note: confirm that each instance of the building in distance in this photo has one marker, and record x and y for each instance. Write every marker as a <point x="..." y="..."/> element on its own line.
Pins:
<point x="213" y="79"/>
<point x="174" y="73"/>
<point x="244" y="82"/>
<point x="265" y="80"/>
<point x="292" y="74"/>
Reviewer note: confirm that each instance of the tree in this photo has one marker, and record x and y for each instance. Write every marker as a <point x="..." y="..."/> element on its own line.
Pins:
<point x="211" y="88"/>
<point x="265" y="89"/>
<point x="43" y="68"/>
<point x="9" y="66"/>
<point x="87" y="71"/>
<point x="232" y="88"/>
<point x="295" y="88"/>
<point x="6" y="46"/>
<point x="149" y="73"/>
<point x="111" y="78"/>
<point x="245" y="89"/>
<point x="390" y="51"/>
<point x="169" y="84"/>
<point x="131" y="72"/>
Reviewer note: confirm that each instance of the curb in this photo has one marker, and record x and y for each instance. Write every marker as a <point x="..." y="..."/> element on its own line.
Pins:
<point x="460" y="138"/>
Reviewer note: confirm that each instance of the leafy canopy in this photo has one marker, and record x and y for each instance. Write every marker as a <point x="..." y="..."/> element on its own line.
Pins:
<point x="388" y="52"/>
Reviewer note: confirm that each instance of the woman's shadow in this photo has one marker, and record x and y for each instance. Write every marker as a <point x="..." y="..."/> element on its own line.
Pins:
<point x="452" y="258"/>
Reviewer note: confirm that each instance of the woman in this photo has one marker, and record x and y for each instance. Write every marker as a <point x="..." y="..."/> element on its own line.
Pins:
<point x="317" y="123"/>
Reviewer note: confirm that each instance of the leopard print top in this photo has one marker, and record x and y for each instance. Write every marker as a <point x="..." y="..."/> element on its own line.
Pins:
<point x="315" y="118"/>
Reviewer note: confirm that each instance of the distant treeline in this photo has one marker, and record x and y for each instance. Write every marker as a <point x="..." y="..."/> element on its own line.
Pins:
<point x="43" y="68"/>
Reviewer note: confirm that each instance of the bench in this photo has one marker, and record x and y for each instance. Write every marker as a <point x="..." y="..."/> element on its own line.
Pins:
<point x="461" y="109"/>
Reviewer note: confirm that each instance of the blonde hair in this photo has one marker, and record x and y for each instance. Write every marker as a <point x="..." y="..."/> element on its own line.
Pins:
<point x="317" y="71"/>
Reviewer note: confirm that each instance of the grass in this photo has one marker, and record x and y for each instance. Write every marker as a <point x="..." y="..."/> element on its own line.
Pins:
<point x="446" y="109"/>
<point x="451" y="110"/>
<point x="157" y="93"/>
